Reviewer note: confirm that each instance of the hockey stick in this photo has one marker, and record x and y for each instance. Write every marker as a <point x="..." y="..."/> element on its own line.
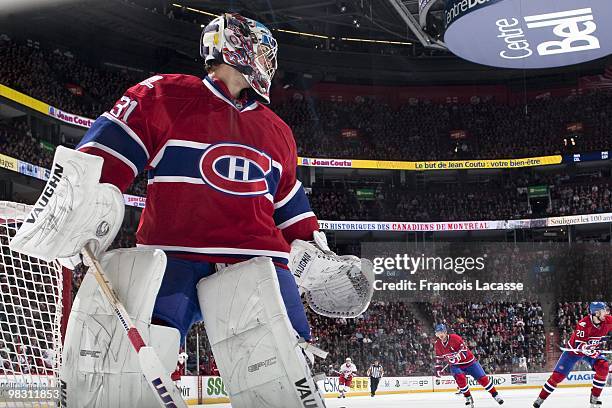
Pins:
<point x="166" y="392"/>
<point x="582" y="351"/>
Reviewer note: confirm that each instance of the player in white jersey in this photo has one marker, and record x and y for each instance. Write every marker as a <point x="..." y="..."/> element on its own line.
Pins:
<point x="347" y="371"/>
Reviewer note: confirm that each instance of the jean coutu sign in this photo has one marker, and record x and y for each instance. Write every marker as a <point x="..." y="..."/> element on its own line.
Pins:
<point x="529" y="33"/>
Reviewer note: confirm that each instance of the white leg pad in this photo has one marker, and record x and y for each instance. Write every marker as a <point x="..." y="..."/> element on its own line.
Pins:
<point x="254" y="344"/>
<point x="100" y="368"/>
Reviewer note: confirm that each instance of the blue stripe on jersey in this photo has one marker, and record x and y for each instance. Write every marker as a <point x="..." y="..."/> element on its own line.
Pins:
<point x="297" y="205"/>
<point x="179" y="161"/>
<point x="183" y="161"/>
<point x="111" y="135"/>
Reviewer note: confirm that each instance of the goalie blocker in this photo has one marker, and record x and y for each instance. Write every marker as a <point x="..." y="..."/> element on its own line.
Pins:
<point x="74" y="213"/>
<point x="73" y="210"/>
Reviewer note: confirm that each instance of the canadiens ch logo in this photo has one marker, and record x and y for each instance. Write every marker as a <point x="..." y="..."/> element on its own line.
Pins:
<point x="236" y="169"/>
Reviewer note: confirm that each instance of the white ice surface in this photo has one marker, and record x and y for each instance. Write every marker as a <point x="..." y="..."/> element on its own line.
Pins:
<point x="562" y="398"/>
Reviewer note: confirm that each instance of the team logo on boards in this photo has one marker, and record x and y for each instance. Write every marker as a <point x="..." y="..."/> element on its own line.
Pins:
<point x="236" y="169"/>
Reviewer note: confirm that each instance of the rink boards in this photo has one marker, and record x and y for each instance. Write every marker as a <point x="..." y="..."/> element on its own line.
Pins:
<point x="197" y="390"/>
<point x="203" y="389"/>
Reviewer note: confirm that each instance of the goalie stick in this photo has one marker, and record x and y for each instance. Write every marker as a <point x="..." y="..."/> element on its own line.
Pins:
<point x="164" y="389"/>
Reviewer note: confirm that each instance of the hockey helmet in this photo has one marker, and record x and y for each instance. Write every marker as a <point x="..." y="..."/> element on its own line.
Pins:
<point x="441" y="328"/>
<point x="595" y="307"/>
<point x="245" y="44"/>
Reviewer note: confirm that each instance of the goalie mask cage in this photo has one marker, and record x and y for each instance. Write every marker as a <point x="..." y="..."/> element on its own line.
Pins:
<point x="34" y="307"/>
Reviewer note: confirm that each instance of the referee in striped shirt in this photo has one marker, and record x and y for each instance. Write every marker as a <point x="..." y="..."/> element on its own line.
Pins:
<point x="375" y="372"/>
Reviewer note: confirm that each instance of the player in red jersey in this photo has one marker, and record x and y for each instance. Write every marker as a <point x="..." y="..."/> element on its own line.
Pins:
<point x="226" y="223"/>
<point x="585" y="345"/>
<point x="180" y="367"/>
<point x="451" y="349"/>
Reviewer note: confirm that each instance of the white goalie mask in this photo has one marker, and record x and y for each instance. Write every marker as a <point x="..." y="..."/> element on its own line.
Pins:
<point x="244" y="44"/>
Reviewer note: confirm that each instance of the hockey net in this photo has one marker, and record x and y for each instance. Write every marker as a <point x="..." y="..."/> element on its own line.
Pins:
<point x="34" y="305"/>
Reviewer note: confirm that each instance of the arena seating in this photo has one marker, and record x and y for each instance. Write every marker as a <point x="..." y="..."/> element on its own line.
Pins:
<point x="499" y="333"/>
<point x="571" y="193"/>
<point x="420" y="132"/>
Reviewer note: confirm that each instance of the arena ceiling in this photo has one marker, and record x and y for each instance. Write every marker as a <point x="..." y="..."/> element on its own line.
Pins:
<point x="377" y="19"/>
<point x="124" y="32"/>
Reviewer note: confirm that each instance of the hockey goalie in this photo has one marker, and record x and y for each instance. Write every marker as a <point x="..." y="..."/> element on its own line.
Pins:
<point x="227" y="236"/>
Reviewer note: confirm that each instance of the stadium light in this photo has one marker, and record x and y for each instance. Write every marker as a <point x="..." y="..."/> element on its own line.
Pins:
<point x="304" y="34"/>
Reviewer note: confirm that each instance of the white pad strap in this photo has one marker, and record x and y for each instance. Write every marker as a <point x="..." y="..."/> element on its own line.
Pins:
<point x="333" y="286"/>
<point x="100" y="367"/>
<point x="254" y="344"/>
<point x="73" y="209"/>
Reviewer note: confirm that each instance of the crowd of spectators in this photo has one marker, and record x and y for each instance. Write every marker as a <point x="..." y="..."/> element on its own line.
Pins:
<point x="387" y="331"/>
<point x="570" y="194"/>
<point x="418" y="131"/>
<point x="17" y="140"/>
<point x="61" y="79"/>
<point x="499" y="333"/>
<point x="422" y="132"/>
<point x="20" y="141"/>
<point x="502" y="335"/>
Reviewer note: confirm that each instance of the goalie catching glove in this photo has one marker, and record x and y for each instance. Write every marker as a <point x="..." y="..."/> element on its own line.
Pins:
<point x="334" y="286"/>
<point x="74" y="209"/>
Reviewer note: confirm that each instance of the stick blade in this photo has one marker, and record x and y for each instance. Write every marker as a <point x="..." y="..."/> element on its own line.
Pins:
<point x="166" y="392"/>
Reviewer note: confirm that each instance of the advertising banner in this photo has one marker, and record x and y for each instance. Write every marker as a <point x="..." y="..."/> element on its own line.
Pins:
<point x="579" y="219"/>
<point x="8" y="163"/>
<point x="42" y="173"/>
<point x="23" y="99"/>
<point x="584" y="157"/>
<point x="430" y="165"/>
<point x="387" y="385"/>
<point x="203" y="390"/>
<point x="529" y="33"/>
<point x="70" y="118"/>
<point x="537" y="191"/>
<point x="411" y="226"/>
<point x="447" y="383"/>
<point x="30" y="170"/>
<point x="392" y="385"/>
<point x="134" y="201"/>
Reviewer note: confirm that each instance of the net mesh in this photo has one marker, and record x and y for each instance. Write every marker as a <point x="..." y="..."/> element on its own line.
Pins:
<point x="31" y="306"/>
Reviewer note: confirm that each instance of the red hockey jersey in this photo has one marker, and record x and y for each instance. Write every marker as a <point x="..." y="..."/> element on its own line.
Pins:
<point x="453" y="351"/>
<point x="588" y="336"/>
<point x="221" y="172"/>
<point x="178" y="371"/>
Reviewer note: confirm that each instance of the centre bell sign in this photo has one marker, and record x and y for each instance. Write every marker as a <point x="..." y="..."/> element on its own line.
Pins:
<point x="528" y="34"/>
